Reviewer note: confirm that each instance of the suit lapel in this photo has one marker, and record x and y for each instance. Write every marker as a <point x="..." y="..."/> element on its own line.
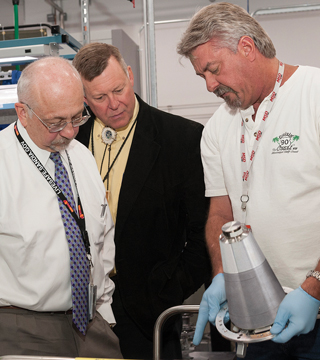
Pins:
<point x="85" y="130"/>
<point x="143" y="154"/>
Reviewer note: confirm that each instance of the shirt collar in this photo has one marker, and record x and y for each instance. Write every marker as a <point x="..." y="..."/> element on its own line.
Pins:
<point x="247" y="112"/>
<point x="250" y="111"/>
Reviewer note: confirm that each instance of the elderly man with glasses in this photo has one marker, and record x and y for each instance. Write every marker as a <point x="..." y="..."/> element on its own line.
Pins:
<point x="56" y="231"/>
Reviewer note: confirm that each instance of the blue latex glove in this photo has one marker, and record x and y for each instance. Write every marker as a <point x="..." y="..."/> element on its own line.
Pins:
<point x="299" y="310"/>
<point x="211" y="302"/>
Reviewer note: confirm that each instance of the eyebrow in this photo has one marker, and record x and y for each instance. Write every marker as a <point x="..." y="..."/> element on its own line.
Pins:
<point x="98" y="94"/>
<point x="206" y="68"/>
<point x="62" y="118"/>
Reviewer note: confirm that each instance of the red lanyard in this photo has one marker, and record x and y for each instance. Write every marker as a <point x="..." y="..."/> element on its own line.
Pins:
<point x="246" y="168"/>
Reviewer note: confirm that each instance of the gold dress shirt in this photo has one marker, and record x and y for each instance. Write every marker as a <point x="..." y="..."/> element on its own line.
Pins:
<point x="116" y="173"/>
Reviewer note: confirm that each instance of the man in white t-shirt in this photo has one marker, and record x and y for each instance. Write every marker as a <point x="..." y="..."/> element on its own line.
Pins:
<point x="261" y="158"/>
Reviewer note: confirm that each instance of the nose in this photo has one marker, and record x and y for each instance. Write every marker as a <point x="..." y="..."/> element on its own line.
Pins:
<point x="212" y="83"/>
<point x="69" y="132"/>
<point x="113" y="102"/>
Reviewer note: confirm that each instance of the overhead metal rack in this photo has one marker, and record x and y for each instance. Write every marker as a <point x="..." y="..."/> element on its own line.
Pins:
<point x="37" y="47"/>
<point x="23" y="51"/>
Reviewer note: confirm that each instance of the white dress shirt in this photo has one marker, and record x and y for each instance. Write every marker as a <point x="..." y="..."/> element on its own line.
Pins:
<point x="34" y="254"/>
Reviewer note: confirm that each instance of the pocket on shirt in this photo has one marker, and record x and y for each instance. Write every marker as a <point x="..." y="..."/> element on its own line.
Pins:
<point x="95" y="226"/>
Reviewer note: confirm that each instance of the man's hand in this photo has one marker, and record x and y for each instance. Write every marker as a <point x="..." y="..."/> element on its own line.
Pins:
<point x="210" y="305"/>
<point x="298" y="310"/>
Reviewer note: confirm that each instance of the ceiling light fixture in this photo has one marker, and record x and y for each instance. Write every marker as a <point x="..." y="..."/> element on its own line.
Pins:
<point x="9" y="61"/>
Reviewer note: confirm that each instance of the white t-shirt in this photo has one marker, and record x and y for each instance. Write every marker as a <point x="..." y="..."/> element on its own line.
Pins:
<point x="34" y="254"/>
<point x="284" y="180"/>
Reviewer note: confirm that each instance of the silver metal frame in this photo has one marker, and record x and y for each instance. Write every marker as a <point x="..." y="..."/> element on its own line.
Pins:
<point x="59" y="9"/>
<point x="162" y="319"/>
<point x="150" y="53"/>
<point x="85" y="22"/>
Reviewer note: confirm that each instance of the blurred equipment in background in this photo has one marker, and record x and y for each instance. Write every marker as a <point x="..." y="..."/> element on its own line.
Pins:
<point x="33" y="43"/>
<point x="133" y="3"/>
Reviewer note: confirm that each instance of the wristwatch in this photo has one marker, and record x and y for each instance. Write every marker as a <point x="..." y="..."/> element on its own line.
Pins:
<point x="313" y="273"/>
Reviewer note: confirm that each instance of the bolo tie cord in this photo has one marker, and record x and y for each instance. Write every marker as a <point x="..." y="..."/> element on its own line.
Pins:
<point x="109" y="157"/>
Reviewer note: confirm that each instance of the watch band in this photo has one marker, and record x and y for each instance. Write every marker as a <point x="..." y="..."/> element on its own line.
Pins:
<point x="313" y="273"/>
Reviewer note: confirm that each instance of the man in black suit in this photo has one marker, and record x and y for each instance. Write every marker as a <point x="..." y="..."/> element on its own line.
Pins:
<point x="150" y="163"/>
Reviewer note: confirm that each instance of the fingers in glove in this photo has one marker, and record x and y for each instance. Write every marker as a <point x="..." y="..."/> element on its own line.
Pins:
<point x="202" y="320"/>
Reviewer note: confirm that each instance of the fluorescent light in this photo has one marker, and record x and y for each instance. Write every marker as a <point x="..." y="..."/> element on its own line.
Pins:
<point x="16" y="55"/>
<point x="286" y="9"/>
<point x="11" y="60"/>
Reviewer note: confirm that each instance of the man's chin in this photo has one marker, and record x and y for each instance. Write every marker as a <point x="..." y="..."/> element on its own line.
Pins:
<point x="233" y="104"/>
<point x="118" y="123"/>
<point x="59" y="146"/>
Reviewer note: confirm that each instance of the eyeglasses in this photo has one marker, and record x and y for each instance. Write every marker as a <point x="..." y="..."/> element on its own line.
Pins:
<point x="61" y="125"/>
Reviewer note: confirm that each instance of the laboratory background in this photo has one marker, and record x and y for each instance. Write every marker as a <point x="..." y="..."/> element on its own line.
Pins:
<point x="162" y="78"/>
<point x="146" y="33"/>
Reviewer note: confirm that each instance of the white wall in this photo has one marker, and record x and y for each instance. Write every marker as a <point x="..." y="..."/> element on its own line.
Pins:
<point x="179" y="90"/>
<point x="295" y="36"/>
<point x="182" y="92"/>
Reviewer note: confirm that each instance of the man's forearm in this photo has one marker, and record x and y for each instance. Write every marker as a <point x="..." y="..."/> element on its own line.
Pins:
<point x="213" y="230"/>
<point x="220" y="213"/>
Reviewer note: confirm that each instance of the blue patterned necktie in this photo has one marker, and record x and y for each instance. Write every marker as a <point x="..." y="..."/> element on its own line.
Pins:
<point x="79" y="265"/>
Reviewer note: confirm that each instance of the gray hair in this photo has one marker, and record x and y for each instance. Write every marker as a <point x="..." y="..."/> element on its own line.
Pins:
<point x="226" y="23"/>
<point x="49" y="68"/>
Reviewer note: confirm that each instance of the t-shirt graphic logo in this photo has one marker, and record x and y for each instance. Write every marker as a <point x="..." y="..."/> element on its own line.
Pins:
<point x="286" y="143"/>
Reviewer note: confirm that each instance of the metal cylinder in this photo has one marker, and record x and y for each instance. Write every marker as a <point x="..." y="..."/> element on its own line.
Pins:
<point x="253" y="291"/>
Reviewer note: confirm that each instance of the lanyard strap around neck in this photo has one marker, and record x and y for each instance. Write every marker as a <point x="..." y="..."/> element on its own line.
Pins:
<point x="247" y="163"/>
<point x="80" y="220"/>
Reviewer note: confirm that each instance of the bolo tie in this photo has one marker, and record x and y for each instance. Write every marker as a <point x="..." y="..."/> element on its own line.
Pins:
<point x="108" y="136"/>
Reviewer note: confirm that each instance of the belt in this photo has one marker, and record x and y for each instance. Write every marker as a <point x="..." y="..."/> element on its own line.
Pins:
<point x="41" y="312"/>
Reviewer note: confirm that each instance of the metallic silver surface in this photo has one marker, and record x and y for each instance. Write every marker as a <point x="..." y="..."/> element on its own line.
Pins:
<point x="210" y="355"/>
<point x="152" y="55"/>
<point x="232" y="229"/>
<point x="313" y="273"/>
<point x="252" y="289"/>
<point x="243" y="336"/>
<point x="253" y="297"/>
<point x="240" y="254"/>
<point x="162" y="319"/>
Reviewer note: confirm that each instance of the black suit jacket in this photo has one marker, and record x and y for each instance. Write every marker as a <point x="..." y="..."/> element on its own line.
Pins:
<point x="161" y="256"/>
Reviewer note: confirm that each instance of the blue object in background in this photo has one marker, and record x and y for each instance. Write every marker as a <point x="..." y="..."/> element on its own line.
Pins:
<point x="2" y="126"/>
<point x="14" y="78"/>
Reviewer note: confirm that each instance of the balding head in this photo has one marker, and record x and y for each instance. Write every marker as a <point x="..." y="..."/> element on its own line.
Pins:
<point x="48" y="76"/>
<point x="50" y="92"/>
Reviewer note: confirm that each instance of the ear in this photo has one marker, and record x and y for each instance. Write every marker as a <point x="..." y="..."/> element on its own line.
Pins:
<point x="131" y="78"/>
<point x="247" y="47"/>
<point x="85" y="100"/>
<point x="22" y="113"/>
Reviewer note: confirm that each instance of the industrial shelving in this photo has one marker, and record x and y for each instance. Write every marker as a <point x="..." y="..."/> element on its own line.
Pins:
<point x="23" y="51"/>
